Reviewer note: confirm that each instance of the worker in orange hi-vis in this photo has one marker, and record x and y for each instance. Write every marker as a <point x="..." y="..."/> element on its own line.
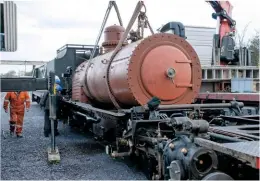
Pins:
<point x="18" y="101"/>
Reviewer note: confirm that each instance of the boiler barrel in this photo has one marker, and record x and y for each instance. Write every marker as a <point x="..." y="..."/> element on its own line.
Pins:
<point x="161" y="65"/>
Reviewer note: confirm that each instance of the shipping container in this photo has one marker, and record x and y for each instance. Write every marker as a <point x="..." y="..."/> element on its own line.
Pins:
<point x="244" y="85"/>
<point x="201" y="39"/>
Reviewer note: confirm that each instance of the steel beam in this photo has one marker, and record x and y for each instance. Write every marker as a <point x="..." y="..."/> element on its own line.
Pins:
<point x="191" y="106"/>
<point x="21" y="62"/>
<point x="23" y="84"/>
<point x="53" y="152"/>
<point x="251" y="97"/>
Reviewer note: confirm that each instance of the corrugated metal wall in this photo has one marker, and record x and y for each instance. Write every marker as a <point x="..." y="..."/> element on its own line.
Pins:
<point x="201" y="38"/>
<point x="10" y="24"/>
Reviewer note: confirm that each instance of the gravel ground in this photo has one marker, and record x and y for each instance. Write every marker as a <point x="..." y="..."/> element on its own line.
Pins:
<point x="81" y="157"/>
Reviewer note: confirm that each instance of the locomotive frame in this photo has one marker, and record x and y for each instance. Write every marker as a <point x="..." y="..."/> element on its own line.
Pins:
<point x="179" y="142"/>
<point x="172" y="140"/>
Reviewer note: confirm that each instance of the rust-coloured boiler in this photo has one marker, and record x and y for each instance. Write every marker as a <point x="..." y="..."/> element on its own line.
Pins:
<point x="162" y="65"/>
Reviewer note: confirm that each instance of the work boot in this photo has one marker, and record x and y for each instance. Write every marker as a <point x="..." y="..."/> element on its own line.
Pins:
<point x="19" y="136"/>
<point x="56" y="133"/>
<point x="46" y="134"/>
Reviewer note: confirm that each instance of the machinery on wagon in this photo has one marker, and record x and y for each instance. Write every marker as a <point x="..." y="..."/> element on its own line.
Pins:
<point x="136" y="95"/>
<point x="227" y="69"/>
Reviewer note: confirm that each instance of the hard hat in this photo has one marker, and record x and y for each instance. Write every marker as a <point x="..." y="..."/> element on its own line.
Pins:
<point x="57" y="81"/>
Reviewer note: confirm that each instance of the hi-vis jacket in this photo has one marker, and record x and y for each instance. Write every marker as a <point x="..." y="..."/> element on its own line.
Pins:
<point x="17" y="101"/>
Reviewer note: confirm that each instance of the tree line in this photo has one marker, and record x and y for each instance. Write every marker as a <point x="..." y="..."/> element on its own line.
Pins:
<point x="12" y="74"/>
<point x="254" y="46"/>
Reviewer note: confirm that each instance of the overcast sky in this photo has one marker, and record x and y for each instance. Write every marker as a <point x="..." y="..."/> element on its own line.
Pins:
<point x="45" y="26"/>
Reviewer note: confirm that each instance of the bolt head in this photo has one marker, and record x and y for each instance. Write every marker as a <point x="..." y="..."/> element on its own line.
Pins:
<point x="184" y="151"/>
<point x="170" y="72"/>
<point x="171" y="145"/>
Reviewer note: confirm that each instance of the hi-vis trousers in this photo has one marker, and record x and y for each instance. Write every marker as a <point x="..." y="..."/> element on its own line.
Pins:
<point x="16" y="121"/>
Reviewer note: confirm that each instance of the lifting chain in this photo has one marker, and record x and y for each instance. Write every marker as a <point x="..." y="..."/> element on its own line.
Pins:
<point x="110" y="5"/>
<point x="143" y="23"/>
<point x="143" y="16"/>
